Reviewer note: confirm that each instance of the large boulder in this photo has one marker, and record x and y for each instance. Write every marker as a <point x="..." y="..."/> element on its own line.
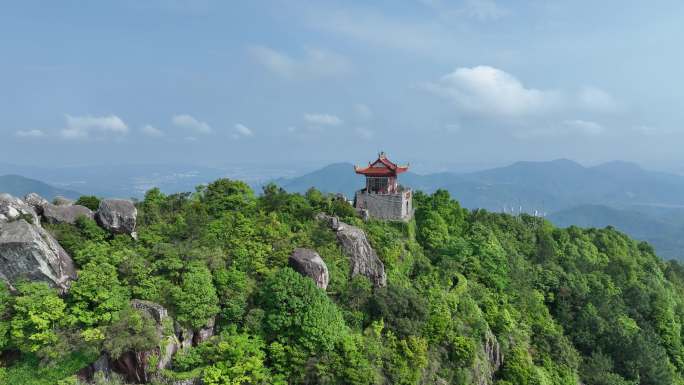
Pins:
<point x="65" y="214"/>
<point x="29" y="252"/>
<point x="308" y="263"/>
<point x="12" y="208"/>
<point x="62" y="201"/>
<point x="36" y="201"/>
<point x="363" y="259"/>
<point x="117" y="215"/>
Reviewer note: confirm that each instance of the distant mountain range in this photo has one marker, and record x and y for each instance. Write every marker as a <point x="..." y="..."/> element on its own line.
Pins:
<point x="133" y="180"/>
<point x="542" y="186"/>
<point x="19" y="186"/>
<point x="648" y="205"/>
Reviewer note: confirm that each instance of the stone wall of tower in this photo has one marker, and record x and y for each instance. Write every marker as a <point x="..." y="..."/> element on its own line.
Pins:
<point x="393" y="207"/>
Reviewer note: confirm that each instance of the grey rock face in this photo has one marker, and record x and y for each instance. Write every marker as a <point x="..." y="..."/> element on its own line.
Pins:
<point x="36" y="201"/>
<point x="184" y="336"/>
<point x="117" y="215"/>
<point x="65" y="214"/>
<point x="62" y="201"/>
<point x="204" y="333"/>
<point x="332" y="221"/>
<point x="12" y="208"/>
<point x="27" y="251"/>
<point x="99" y="366"/>
<point x="135" y="366"/>
<point x="157" y="311"/>
<point x="363" y="259"/>
<point x="308" y="263"/>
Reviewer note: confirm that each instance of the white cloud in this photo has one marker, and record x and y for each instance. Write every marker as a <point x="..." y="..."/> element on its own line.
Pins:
<point x="323" y="119"/>
<point x="190" y="139"/>
<point x="363" y="112"/>
<point x="150" y="130"/>
<point x="242" y="130"/>
<point x="584" y="127"/>
<point x="488" y="91"/>
<point x="189" y="122"/>
<point x="82" y="127"/>
<point x="314" y="62"/>
<point x="30" y="133"/>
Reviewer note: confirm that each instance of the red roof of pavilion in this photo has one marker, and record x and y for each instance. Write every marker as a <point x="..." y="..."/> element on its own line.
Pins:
<point x="381" y="167"/>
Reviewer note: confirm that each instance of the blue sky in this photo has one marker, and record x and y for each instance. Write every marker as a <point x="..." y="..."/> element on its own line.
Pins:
<point x="432" y="81"/>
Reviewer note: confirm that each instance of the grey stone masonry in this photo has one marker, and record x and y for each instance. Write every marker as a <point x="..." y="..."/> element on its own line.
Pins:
<point x="393" y="207"/>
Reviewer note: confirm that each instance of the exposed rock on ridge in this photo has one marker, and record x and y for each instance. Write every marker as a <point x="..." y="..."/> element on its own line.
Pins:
<point x="363" y="259"/>
<point x="117" y="215"/>
<point x="12" y="208"/>
<point x="308" y="263"/>
<point x="27" y="251"/>
<point x="65" y="214"/>
<point x="36" y="201"/>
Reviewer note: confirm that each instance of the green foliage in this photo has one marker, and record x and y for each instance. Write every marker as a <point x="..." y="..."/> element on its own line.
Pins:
<point x="227" y="195"/>
<point x="33" y="371"/>
<point x="297" y="311"/>
<point x="38" y="314"/>
<point x="234" y="288"/>
<point x="90" y="201"/>
<point x="231" y="358"/>
<point x="195" y="299"/>
<point x="5" y="315"/>
<point x="403" y="309"/>
<point x="465" y="289"/>
<point x="97" y="296"/>
<point x="133" y="330"/>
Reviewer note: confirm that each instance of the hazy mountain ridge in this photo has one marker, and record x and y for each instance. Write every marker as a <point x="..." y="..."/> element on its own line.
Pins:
<point x="639" y="202"/>
<point x="543" y="186"/>
<point x="663" y="232"/>
<point x="19" y="186"/>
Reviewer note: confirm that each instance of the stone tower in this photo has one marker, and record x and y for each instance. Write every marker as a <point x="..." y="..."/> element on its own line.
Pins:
<point x="383" y="198"/>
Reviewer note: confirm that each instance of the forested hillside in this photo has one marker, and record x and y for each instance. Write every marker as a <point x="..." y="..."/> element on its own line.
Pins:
<point x="471" y="297"/>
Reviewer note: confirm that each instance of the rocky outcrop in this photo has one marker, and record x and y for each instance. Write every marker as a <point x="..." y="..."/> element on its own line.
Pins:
<point x="204" y="333"/>
<point x="363" y="259"/>
<point x="99" y="366"/>
<point x="488" y="362"/>
<point x="135" y="366"/>
<point x="36" y="201"/>
<point x="117" y="215"/>
<point x="12" y="208"/>
<point x="29" y="252"/>
<point x="155" y="310"/>
<point x="308" y="263"/>
<point x="65" y="214"/>
<point x="184" y="336"/>
<point x="62" y="201"/>
<point x="332" y="221"/>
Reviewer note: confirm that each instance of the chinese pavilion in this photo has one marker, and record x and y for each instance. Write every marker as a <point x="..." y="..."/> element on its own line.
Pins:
<point x="383" y="197"/>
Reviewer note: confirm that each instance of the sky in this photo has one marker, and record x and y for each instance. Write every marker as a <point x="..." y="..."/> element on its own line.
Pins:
<point x="431" y="82"/>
